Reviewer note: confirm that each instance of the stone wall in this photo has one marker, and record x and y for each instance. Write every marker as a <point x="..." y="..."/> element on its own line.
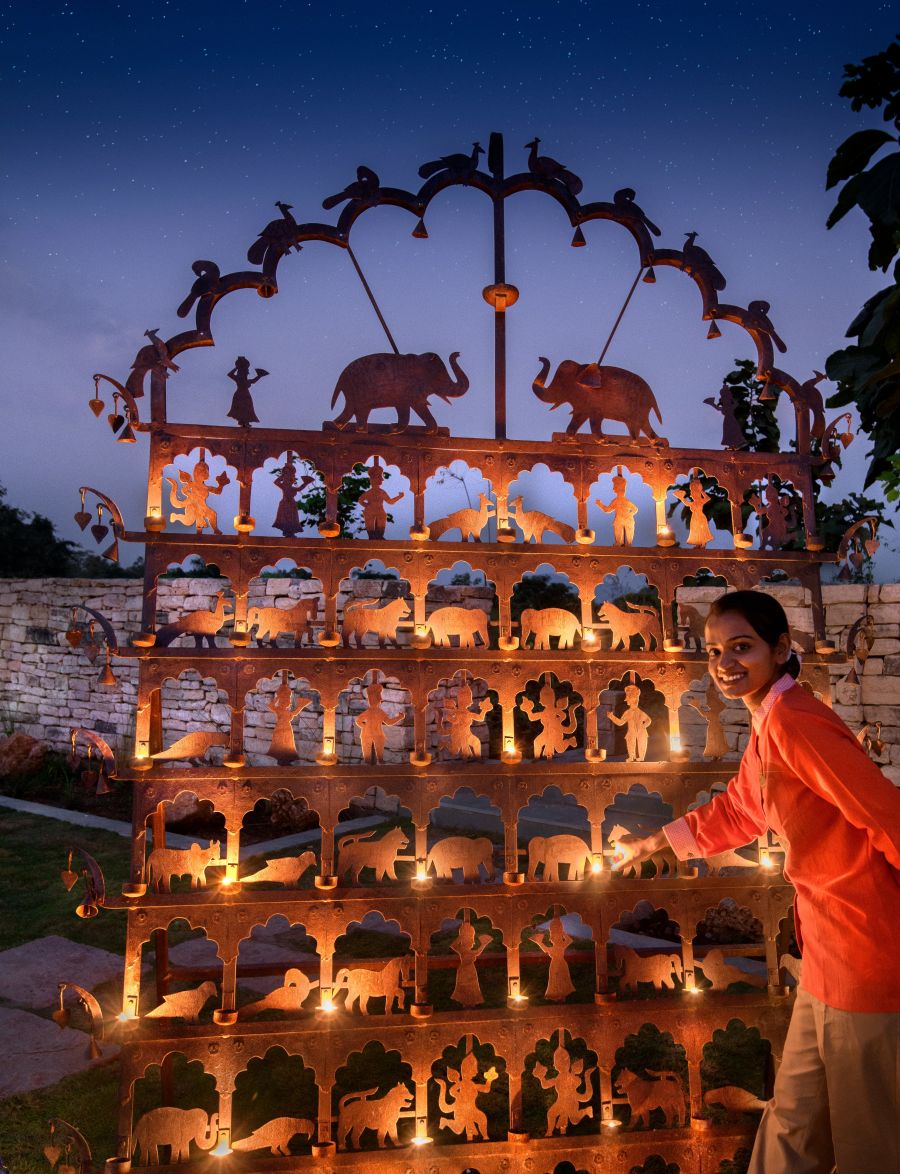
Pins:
<point x="46" y="686"/>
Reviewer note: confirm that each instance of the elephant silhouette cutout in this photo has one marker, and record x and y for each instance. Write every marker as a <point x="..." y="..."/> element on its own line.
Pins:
<point x="595" y="394"/>
<point x="653" y="970"/>
<point x="551" y="852"/>
<point x="402" y="382"/>
<point x="463" y="854"/>
<point x="463" y="622"/>
<point x="176" y="1128"/>
<point x="546" y="622"/>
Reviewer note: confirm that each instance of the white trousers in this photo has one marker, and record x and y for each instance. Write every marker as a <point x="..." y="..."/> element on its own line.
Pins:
<point x="837" y="1095"/>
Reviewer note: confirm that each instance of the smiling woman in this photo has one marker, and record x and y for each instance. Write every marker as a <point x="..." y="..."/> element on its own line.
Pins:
<point x="749" y="646"/>
<point x="805" y="776"/>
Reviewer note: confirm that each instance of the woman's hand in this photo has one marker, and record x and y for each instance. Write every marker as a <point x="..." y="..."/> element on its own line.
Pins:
<point x="632" y="851"/>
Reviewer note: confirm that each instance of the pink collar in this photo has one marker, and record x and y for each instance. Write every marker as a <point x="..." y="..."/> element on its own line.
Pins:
<point x="784" y="682"/>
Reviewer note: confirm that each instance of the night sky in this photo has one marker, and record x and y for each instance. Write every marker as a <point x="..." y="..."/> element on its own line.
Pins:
<point x="137" y="138"/>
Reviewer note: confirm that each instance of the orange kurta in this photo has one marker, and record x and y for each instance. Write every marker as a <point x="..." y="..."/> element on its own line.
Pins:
<point x="805" y="776"/>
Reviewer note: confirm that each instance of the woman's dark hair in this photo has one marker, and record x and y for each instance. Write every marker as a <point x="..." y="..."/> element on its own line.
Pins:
<point x="765" y="616"/>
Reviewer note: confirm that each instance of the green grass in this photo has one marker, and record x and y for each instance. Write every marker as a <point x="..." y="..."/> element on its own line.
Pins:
<point x="33" y="899"/>
<point x="89" y="1101"/>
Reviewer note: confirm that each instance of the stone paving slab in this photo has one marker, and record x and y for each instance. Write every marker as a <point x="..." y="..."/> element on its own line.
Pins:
<point x="43" y="1052"/>
<point x="30" y="974"/>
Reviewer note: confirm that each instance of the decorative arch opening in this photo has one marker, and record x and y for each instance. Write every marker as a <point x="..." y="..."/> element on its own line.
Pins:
<point x="375" y="839"/>
<point x="374" y="720"/>
<point x="203" y="492"/>
<point x="283" y="720"/>
<point x="165" y="1134"/>
<point x="554" y="835"/>
<point x="528" y="496"/>
<point x="626" y="610"/>
<point x="467" y="963"/>
<point x="650" y="1081"/>
<point x="275" y="1106"/>
<point x="549" y="718"/>
<point x="645" y="948"/>
<point x="460" y="503"/>
<point x="373" y="1100"/>
<point x="196" y="720"/>
<point x="465" y="838"/>
<point x="468" y="1093"/>
<point x="736" y="1073"/>
<point x="547" y="606"/>
<point x="633" y="720"/>
<point x="462" y="718"/>
<point x="280" y="841"/>
<point x="557" y="957"/>
<point x="373" y="967"/>
<point x="560" y="1087"/>
<point x="461" y="608"/>
<point x="278" y="967"/>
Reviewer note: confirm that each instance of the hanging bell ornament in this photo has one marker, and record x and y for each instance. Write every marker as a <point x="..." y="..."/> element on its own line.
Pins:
<point x="103" y="787"/>
<point x="111" y="552"/>
<point x="127" y="436"/>
<point x="61" y="1015"/>
<point x="115" y="419"/>
<point x="96" y="404"/>
<point x="94" y="1052"/>
<point x="89" y="775"/>
<point x="68" y="875"/>
<point x="74" y="634"/>
<point x="768" y="395"/>
<point x="107" y="676"/>
<point x="420" y="232"/>
<point x="91" y="648"/>
<point x="714" y="331"/>
<point x="578" y="241"/>
<point x="82" y="517"/>
<point x="649" y="277"/>
<point x="86" y="910"/>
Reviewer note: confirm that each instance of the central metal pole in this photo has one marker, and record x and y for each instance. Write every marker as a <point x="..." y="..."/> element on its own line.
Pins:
<point x="495" y="162"/>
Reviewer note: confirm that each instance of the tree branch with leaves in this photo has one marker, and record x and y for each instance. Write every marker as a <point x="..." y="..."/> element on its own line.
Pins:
<point x="868" y="372"/>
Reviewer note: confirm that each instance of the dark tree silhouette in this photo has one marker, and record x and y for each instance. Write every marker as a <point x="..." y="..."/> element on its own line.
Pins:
<point x="868" y="372"/>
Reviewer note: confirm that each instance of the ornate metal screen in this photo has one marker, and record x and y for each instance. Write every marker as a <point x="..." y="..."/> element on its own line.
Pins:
<point x="454" y="987"/>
